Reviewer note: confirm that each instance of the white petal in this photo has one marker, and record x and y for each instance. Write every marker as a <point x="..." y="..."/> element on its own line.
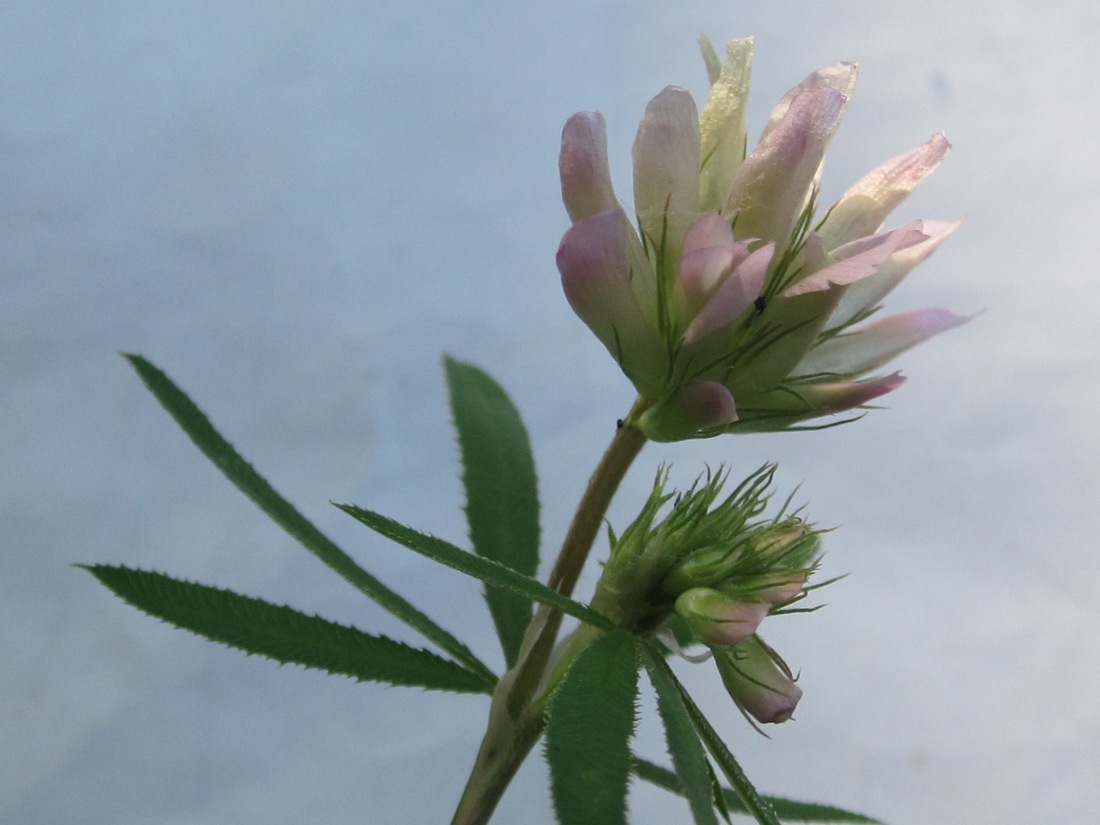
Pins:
<point x="863" y="208"/>
<point x="869" y="346"/>
<point x="771" y="186"/>
<point x="868" y="293"/>
<point x="859" y="259"/>
<point x="666" y="172"/>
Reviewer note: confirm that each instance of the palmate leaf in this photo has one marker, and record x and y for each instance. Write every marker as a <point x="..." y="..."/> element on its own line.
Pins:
<point x="787" y="809"/>
<point x="486" y="570"/>
<point x="683" y="743"/>
<point x="199" y="429"/>
<point x="502" y="505"/>
<point x="590" y="720"/>
<point x="284" y="634"/>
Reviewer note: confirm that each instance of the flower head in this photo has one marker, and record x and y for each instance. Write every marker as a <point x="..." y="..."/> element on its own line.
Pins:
<point x="709" y="559"/>
<point x="702" y="568"/>
<point x="729" y="305"/>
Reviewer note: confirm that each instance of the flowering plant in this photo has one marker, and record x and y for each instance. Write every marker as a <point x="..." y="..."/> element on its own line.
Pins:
<point x="731" y="307"/>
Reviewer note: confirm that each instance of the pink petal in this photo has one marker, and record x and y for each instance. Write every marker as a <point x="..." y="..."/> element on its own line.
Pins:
<point x="859" y="259"/>
<point x="758" y="681"/>
<point x="718" y="619"/>
<point x="701" y="271"/>
<point x="846" y="395"/>
<point x="709" y="230"/>
<point x="775" y="706"/>
<point x="771" y="185"/>
<point x="708" y="256"/>
<point x="869" y="346"/>
<point x="840" y="77"/>
<point x="696" y="409"/>
<point x="582" y="164"/>
<point x="734" y="296"/>
<point x="597" y="265"/>
<point x="666" y="172"/>
<point x="868" y="293"/>
<point x="864" y="207"/>
<point x="783" y="589"/>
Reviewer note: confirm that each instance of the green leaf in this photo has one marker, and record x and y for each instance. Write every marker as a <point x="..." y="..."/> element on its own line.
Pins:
<point x="720" y="794"/>
<point x="788" y="809"/>
<point x="199" y="429"/>
<point x="683" y="744"/>
<point x="284" y="634"/>
<point x="486" y="570"/>
<point x="591" y="717"/>
<point x="502" y="504"/>
<point x="754" y="803"/>
<point x="669" y="781"/>
<point x="792" y="811"/>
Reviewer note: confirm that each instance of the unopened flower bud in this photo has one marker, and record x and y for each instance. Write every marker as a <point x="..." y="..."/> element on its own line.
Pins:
<point x="717" y="619"/>
<point x="758" y="680"/>
<point x="703" y="568"/>
<point x="769" y="564"/>
<point x="782" y="589"/>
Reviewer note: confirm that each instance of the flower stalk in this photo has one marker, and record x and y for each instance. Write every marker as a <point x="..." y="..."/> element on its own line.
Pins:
<point x="516" y="718"/>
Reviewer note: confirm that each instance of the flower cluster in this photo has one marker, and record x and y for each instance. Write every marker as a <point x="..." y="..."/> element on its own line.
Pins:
<point x="713" y="571"/>
<point x="730" y="307"/>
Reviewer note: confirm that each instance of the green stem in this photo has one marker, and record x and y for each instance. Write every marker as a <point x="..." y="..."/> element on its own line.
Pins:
<point x="516" y="715"/>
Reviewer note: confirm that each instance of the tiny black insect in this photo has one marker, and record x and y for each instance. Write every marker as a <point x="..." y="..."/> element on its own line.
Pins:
<point x="619" y="423"/>
<point x="760" y="303"/>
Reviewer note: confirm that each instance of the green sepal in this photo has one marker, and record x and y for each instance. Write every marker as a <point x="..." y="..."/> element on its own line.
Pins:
<point x="788" y="809"/>
<point x="222" y="454"/>
<point x="284" y="634"/>
<point x="486" y="570"/>
<point x="590" y="719"/>
<point x="502" y="505"/>
<point x="683" y="742"/>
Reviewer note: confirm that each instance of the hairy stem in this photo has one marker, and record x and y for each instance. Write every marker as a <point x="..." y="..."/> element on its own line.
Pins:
<point x="516" y="716"/>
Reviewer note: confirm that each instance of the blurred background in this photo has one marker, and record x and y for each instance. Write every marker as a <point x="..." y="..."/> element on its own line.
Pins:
<point x="295" y="208"/>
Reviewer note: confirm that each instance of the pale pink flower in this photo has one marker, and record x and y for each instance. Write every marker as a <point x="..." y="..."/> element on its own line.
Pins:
<point x="727" y="305"/>
<point x="758" y="680"/>
<point x="718" y="619"/>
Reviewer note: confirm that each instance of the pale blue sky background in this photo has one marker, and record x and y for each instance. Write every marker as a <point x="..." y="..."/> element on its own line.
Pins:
<point x="294" y="208"/>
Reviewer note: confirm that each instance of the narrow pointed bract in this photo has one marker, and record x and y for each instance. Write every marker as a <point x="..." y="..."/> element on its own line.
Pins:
<point x="729" y="280"/>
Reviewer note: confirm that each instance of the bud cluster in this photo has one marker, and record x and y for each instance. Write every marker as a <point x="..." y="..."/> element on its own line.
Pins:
<point x="711" y="571"/>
